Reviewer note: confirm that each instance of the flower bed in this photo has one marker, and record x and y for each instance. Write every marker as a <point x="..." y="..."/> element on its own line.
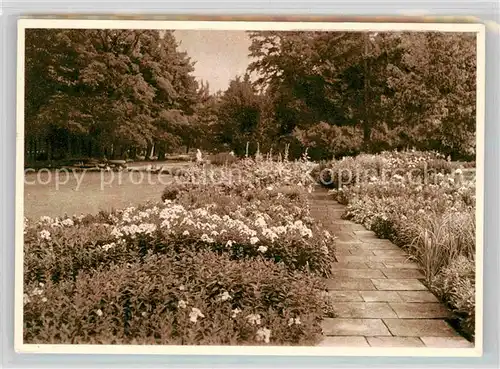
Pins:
<point x="423" y="203"/>
<point x="217" y="262"/>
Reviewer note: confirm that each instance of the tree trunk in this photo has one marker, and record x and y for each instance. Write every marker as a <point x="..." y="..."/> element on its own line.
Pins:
<point x="366" y="101"/>
<point x="90" y="148"/>
<point x="69" y="147"/>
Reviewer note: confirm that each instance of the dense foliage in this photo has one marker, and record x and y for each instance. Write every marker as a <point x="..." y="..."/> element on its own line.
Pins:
<point x="217" y="262"/>
<point x="129" y="93"/>
<point x="424" y="204"/>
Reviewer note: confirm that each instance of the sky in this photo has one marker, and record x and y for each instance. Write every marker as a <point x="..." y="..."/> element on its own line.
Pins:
<point x="219" y="55"/>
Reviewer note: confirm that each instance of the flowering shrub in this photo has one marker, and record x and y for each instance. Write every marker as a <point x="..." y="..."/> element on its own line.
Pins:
<point x="180" y="299"/>
<point x="456" y="284"/>
<point x="362" y="168"/>
<point x="421" y="202"/>
<point x="214" y="263"/>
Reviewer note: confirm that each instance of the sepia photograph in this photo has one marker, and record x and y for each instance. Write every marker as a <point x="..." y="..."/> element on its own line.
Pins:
<point x="294" y="188"/>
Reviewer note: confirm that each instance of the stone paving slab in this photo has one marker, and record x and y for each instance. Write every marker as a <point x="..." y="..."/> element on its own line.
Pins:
<point x="378" y="246"/>
<point x="420" y="328"/>
<point x="358" y="265"/>
<point x="394" y="342"/>
<point x="366" y="234"/>
<point x="420" y="310"/>
<point x="349" y="265"/>
<point x="374" y="264"/>
<point x="352" y="243"/>
<point x="361" y="252"/>
<point x="343" y="252"/>
<point x="447" y="342"/>
<point x="344" y="296"/>
<point x="363" y="310"/>
<point x="380" y="296"/>
<point x="380" y="241"/>
<point x="363" y="258"/>
<point x="388" y="259"/>
<point x="354" y="327"/>
<point x="344" y="341"/>
<point x="395" y="273"/>
<point x="345" y="237"/>
<point x="390" y="253"/>
<point x="355" y="226"/>
<point x="345" y="245"/>
<point x="398" y="284"/>
<point x="404" y="265"/>
<point x="417" y="296"/>
<point x="352" y="284"/>
<point x="357" y="273"/>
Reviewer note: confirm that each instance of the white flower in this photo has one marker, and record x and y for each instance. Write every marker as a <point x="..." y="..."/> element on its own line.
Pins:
<point x="236" y="312"/>
<point x="44" y="299"/>
<point x="195" y="314"/>
<point x="262" y="249"/>
<point x="254" y="240"/>
<point x="45" y="219"/>
<point x="260" y="222"/>
<point x="67" y="222"/>
<point x="99" y="312"/>
<point x="205" y="238"/>
<point x="185" y="233"/>
<point x="458" y="171"/>
<point x="182" y="304"/>
<point x="37" y="291"/>
<point x="181" y="287"/>
<point x="108" y="246"/>
<point x="144" y="313"/>
<point x="116" y="233"/>
<point x="229" y="243"/>
<point x="270" y="188"/>
<point x="225" y="296"/>
<point x="264" y="334"/>
<point x="293" y="321"/>
<point x="26" y="298"/>
<point x="45" y="235"/>
<point x="254" y="319"/>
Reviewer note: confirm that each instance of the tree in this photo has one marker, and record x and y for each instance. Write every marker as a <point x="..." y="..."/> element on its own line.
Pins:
<point x="319" y="76"/>
<point x="400" y="89"/>
<point x="434" y="103"/>
<point x="105" y="89"/>
<point x="239" y="113"/>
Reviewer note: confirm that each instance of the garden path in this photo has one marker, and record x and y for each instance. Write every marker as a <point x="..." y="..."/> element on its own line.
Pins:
<point x="379" y="299"/>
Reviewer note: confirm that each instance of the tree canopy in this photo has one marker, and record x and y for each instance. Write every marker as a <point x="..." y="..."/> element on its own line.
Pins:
<point x="112" y="93"/>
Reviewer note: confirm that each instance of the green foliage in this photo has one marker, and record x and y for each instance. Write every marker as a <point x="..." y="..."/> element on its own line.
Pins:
<point x="238" y="114"/>
<point x="222" y="158"/>
<point x="131" y="92"/>
<point x="389" y="86"/>
<point x="246" y="255"/>
<point x="91" y="91"/>
<point x="424" y="204"/>
<point x="457" y="284"/>
<point x="152" y="302"/>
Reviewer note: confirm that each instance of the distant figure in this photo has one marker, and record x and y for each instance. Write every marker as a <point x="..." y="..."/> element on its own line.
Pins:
<point x="199" y="159"/>
<point x="231" y="153"/>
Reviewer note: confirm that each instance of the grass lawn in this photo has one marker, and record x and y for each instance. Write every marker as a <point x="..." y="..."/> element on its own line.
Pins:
<point x="90" y="192"/>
